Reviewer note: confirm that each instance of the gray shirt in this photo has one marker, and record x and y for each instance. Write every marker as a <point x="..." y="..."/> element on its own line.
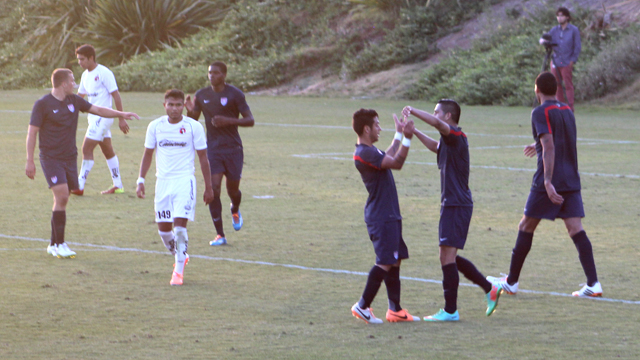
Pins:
<point x="569" y="45"/>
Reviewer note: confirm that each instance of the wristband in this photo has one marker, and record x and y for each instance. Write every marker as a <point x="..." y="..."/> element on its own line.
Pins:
<point x="140" y="181"/>
<point x="398" y="136"/>
<point x="406" y="142"/>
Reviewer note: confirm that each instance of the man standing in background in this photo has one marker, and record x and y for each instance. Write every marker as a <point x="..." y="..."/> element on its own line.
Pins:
<point x="567" y="36"/>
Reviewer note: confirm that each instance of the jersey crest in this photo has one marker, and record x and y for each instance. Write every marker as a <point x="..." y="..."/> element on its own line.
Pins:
<point x="97" y="78"/>
<point x="223" y="101"/>
<point x="71" y="107"/>
<point x="54" y="179"/>
<point x="182" y="130"/>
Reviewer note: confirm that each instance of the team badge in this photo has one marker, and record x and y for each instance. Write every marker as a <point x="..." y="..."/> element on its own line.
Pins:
<point x="182" y="130"/>
<point x="97" y="78"/>
<point x="395" y="255"/>
<point x="71" y="108"/>
<point x="223" y="101"/>
<point x="188" y="207"/>
<point x="54" y="179"/>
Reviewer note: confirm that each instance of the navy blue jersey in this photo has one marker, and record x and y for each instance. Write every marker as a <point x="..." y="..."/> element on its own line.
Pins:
<point x="556" y="118"/>
<point x="230" y="102"/>
<point x="382" y="204"/>
<point x="58" y="122"/>
<point x="453" y="162"/>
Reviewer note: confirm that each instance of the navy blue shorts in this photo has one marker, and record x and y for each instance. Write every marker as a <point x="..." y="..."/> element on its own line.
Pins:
<point x="387" y="241"/>
<point x="540" y="207"/>
<point x="454" y="225"/>
<point x="60" y="172"/>
<point x="227" y="163"/>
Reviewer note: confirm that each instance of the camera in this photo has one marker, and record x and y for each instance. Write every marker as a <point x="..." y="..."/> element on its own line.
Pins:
<point x="545" y="40"/>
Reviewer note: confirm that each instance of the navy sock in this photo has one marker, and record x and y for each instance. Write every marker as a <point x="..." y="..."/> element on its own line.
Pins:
<point x="470" y="271"/>
<point x="392" y="282"/>
<point x="450" y="282"/>
<point x="235" y="202"/>
<point x="376" y="275"/>
<point x="215" y="208"/>
<point x="518" y="255"/>
<point x="58" y="222"/>
<point x="585" y="253"/>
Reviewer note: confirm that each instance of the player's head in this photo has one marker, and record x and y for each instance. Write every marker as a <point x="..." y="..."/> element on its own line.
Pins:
<point x="563" y="15"/>
<point x="63" y="79"/>
<point x="546" y="84"/>
<point x="217" y="73"/>
<point x="448" y="111"/>
<point x="366" y="123"/>
<point x="86" y="56"/>
<point x="174" y="103"/>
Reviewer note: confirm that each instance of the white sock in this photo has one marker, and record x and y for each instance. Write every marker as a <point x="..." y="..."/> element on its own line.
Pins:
<point x="114" y="167"/>
<point x="87" y="165"/>
<point x="182" y="243"/>
<point x="169" y="240"/>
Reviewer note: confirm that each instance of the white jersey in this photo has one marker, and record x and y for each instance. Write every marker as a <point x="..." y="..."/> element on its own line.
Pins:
<point x="98" y="85"/>
<point x="175" y="145"/>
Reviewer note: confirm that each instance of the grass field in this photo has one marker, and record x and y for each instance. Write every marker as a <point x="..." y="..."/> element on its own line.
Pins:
<point x="274" y="292"/>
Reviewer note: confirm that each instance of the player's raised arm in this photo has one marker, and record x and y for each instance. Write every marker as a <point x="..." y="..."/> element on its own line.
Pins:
<point x="145" y="164"/>
<point x="395" y="143"/>
<point x="427" y="141"/>
<point x="110" y="113"/>
<point x="30" y="167"/>
<point x="440" y="125"/>
<point x="397" y="161"/>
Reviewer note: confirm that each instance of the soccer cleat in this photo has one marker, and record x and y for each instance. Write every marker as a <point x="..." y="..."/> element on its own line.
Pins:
<point x="365" y="314"/>
<point x="52" y="250"/>
<point x="589" y="291"/>
<point x="65" y="252"/>
<point x="443" y="316"/>
<point x="113" y="190"/>
<point x="78" y="192"/>
<point x="176" y="279"/>
<point x="400" y="316"/>
<point x="236" y="220"/>
<point x="219" y="240"/>
<point x="492" y="298"/>
<point x="506" y="287"/>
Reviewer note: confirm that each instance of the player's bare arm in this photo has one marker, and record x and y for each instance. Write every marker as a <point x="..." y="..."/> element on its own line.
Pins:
<point x="245" y="121"/>
<point x="32" y="135"/>
<point x="395" y="144"/>
<point x="530" y="150"/>
<point x="124" y="127"/>
<point x="206" y="174"/>
<point x="190" y="105"/>
<point x="397" y="161"/>
<point x="548" y="159"/>
<point x="145" y="164"/>
<point x="438" y="124"/>
<point x="427" y="141"/>
<point x="110" y="113"/>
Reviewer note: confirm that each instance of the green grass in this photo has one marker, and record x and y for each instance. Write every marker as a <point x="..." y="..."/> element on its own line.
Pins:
<point x="115" y="304"/>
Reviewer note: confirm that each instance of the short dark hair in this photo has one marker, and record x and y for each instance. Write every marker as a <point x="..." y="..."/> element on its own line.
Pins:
<point x="564" y="11"/>
<point x="546" y="83"/>
<point x="362" y="118"/>
<point x="220" y="65"/>
<point x="451" y="107"/>
<point x="59" y="76"/>
<point x="174" y="93"/>
<point x="87" y="51"/>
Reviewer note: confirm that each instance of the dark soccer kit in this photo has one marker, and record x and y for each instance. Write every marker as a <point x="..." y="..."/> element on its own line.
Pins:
<point x="58" y="122"/>
<point x="382" y="209"/>
<point x="557" y="119"/>
<point x="456" y="201"/>
<point x="224" y="146"/>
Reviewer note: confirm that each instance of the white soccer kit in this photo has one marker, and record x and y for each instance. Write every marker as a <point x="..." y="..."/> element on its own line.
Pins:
<point x="98" y="85"/>
<point x="176" y="146"/>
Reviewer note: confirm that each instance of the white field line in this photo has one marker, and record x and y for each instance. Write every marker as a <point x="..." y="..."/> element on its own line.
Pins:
<point x="298" y="267"/>
<point x="347" y="157"/>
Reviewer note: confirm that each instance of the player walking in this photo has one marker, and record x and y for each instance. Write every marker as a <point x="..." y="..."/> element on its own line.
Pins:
<point x="177" y="138"/>
<point x="54" y="120"/>
<point x="222" y="105"/>
<point x="99" y="85"/>
<point x="456" y="207"/>
<point x="382" y="213"/>
<point x="555" y="191"/>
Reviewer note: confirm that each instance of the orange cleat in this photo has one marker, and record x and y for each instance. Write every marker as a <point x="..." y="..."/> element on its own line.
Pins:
<point x="78" y="192"/>
<point x="400" y="316"/>
<point x="176" y="279"/>
<point x="113" y="190"/>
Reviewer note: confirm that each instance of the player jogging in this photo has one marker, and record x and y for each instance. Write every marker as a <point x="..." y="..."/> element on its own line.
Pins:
<point x="54" y="120"/>
<point x="98" y="85"/>
<point x="382" y="212"/>
<point x="456" y="206"/>
<point x="177" y="138"/>
<point x="555" y="190"/>
<point x="222" y="105"/>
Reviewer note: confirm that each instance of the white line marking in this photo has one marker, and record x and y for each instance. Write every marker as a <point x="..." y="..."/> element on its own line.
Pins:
<point x="300" y="267"/>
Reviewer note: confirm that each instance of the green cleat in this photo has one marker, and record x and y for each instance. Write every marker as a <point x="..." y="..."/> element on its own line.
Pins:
<point x="492" y="298"/>
<point x="443" y="316"/>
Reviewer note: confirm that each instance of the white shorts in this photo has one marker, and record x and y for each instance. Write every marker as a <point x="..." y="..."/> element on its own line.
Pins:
<point x="99" y="128"/>
<point x="175" y="198"/>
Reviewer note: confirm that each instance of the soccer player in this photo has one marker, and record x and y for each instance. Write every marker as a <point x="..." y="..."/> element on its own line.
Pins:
<point x="222" y="105"/>
<point x="54" y="121"/>
<point x="99" y="85"/>
<point x="178" y="139"/>
<point x="555" y="190"/>
<point x="456" y="206"/>
<point x="382" y="212"/>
